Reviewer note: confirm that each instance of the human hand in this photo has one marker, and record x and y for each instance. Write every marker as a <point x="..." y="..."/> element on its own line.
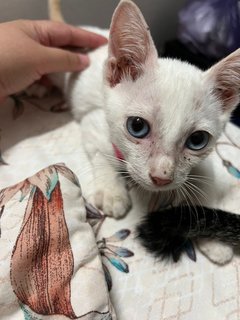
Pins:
<point x="31" y="49"/>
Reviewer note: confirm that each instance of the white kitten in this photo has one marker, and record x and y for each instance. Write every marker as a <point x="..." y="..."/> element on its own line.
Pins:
<point x="160" y="116"/>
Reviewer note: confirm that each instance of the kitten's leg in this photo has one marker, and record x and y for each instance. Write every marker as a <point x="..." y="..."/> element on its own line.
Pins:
<point x="216" y="251"/>
<point x="110" y="193"/>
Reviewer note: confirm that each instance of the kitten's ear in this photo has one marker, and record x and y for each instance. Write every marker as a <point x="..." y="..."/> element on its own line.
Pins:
<point x="226" y="80"/>
<point x="130" y="44"/>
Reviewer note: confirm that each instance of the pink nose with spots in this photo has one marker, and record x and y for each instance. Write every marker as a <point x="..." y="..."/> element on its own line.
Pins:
<point x="159" y="181"/>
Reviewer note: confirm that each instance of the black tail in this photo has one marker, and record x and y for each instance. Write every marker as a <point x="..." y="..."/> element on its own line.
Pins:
<point x="170" y="232"/>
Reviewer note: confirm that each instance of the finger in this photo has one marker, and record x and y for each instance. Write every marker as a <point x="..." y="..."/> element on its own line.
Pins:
<point x="59" y="60"/>
<point x="2" y="100"/>
<point x="57" y="34"/>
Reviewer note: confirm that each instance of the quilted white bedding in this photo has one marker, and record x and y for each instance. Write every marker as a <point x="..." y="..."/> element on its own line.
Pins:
<point x="55" y="249"/>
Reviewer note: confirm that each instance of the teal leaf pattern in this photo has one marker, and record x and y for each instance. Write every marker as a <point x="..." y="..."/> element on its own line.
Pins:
<point x="189" y="248"/>
<point x="24" y="191"/>
<point x="120" y="251"/>
<point x="27" y="314"/>
<point x="46" y="180"/>
<point x="67" y="173"/>
<point x="114" y="254"/>
<point x="107" y="277"/>
<point x="8" y="193"/>
<point x="231" y="169"/>
<point x="226" y="163"/>
<point x="116" y="262"/>
<point x="94" y="217"/>
<point x="119" y="236"/>
<point x="92" y="212"/>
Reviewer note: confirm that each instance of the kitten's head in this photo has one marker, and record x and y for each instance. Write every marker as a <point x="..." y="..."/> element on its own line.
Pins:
<point x="164" y="115"/>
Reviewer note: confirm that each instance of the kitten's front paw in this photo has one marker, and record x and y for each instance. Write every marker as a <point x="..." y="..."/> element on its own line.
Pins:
<point x="218" y="252"/>
<point x="114" y="202"/>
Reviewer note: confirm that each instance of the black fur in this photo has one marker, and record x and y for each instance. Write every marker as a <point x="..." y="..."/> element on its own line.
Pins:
<point x="170" y="232"/>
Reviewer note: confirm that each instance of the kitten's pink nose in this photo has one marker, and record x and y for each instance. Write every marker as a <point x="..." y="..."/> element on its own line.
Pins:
<point x="160" y="182"/>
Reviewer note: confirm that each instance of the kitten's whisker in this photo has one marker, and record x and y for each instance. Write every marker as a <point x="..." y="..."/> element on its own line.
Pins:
<point x="182" y="190"/>
<point x="196" y="189"/>
<point x="181" y="207"/>
<point x="197" y="180"/>
<point x="191" y="199"/>
<point x="200" y="181"/>
<point x="113" y="158"/>
<point x="200" y="176"/>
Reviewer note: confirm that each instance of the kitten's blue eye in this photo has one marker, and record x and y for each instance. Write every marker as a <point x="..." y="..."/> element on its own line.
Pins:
<point x="197" y="140"/>
<point x="138" y="127"/>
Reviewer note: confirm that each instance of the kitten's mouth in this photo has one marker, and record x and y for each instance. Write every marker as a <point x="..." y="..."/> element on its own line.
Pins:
<point x="135" y="180"/>
<point x="132" y="182"/>
<point x="169" y="187"/>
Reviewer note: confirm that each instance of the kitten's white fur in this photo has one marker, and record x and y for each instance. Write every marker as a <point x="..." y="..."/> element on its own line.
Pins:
<point x="217" y="252"/>
<point x="175" y="97"/>
<point x="126" y="78"/>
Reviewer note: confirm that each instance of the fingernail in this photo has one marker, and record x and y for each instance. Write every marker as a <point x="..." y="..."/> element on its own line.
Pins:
<point x="104" y="40"/>
<point x="84" y="60"/>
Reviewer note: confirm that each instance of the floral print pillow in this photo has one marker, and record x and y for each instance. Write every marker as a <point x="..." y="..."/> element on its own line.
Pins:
<point x="50" y="266"/>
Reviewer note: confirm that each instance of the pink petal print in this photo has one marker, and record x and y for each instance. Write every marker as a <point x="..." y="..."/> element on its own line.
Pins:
<point x="7" y="193"/>
<point x="67" y="173"/>
<point x="25" y="190"/>
<point x="42" y="259"/>
<point x="45" y="180"/>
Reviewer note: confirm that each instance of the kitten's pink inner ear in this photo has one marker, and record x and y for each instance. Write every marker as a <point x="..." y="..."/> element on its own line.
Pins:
<point x="229" y="97"/>
<point x="226" y="77"/>
<point x="130" y="44"/>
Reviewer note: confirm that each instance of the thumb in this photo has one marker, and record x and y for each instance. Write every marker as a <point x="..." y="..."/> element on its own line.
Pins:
<point x="59" y="60"/>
